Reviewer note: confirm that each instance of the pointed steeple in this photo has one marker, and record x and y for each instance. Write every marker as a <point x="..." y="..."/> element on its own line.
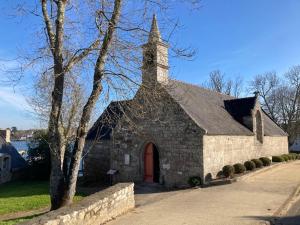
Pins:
<point x="154" y="35"/>
<point x="155" y="58"/>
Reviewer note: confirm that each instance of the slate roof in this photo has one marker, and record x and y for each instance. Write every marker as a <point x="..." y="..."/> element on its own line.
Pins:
<point x="107" y="121"/>
<point x="17" y="161"/>
<point x="208" y="109"/>
<point x="216" y="113"/>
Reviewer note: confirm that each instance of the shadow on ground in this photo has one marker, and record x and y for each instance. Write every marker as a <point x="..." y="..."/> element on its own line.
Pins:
<point x="148" y="188"/>
<point x="24" y="189"/>
<point x="273" y="220"/>
<point x="20" y="219"/>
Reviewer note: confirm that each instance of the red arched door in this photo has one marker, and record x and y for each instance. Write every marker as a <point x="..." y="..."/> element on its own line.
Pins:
<point x="148" y="163"/>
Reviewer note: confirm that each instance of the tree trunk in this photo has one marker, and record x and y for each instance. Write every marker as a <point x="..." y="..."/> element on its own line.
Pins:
<point x="56" y="143"/>
<point x="57" y="185"/>
<point x="71" y="180"/>
<point x="63" y="176"/>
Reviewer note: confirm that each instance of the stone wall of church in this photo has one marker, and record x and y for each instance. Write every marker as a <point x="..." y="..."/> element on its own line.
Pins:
<point x="223" y="150"/>
<point x="96" y="158"/>
<point x="177" y="138"/>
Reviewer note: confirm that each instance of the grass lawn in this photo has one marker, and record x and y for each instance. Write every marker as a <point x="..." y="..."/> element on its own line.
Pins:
<point x="18" y="220"/>
<point x="24" y="196"/>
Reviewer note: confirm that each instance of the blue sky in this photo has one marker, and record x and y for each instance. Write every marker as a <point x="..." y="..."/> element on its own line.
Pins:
<point x="239" y="37"/>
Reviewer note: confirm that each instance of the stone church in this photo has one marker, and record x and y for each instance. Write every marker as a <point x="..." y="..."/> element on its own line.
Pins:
<point x="172" y="130"/>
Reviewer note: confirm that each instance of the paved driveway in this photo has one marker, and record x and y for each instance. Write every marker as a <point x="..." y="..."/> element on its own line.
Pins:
<point x="249" y="201"/>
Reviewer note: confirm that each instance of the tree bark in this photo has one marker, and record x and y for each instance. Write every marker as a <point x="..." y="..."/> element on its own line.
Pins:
<point x="57" y="181"/>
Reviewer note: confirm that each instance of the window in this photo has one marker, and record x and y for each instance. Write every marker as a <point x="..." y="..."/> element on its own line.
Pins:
<point x="5" y="163"/>
<point x="149" y="58"/>
<point x="259" y="127"/>
<point x="126" y="159"/>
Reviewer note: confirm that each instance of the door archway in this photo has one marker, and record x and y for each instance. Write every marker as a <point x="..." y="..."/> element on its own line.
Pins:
<point x="151" y="164"/>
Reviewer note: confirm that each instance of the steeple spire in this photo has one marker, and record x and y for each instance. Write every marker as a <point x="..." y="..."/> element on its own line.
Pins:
<point x="154" y="35"/>
<point x="155" y="58"/>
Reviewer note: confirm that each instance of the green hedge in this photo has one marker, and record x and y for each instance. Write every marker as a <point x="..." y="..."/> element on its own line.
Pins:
<point x="266" y="161"/>
<point x="293" y="156"/>
<point x="277" y="158"/>
<point x="285" y="157"/>
<point x="250" y="165"/>
<point x="228" y="171"/>
<point x="258" y="163"/>
<point x="239" y="168"/>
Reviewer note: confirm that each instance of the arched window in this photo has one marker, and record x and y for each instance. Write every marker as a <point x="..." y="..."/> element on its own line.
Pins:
<point x="259" y="127"/>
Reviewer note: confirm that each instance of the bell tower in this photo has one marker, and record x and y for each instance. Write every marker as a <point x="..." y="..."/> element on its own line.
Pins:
<point x="155" y="58"/>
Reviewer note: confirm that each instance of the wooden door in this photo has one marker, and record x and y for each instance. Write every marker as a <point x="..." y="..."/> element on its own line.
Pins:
<point x="148" y="163"/>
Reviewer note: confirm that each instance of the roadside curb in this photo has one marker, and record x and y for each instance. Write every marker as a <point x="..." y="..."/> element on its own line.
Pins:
<point x="245" y="176"/>
<point x="283" y="209"/>
<point x="248" y="175"/>
<point x="288" y="203"/>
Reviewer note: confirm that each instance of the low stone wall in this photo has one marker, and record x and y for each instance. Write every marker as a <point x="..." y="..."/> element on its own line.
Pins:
<point x="94" y="209"/>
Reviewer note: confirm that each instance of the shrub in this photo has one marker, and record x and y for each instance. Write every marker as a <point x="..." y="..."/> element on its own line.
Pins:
<point x="194" y="181"/>
<point x="285" y="157"/>
<point x="228" y="171"/>
<point x="239" y="168"/>
<point x="298" y="156"/>
<point x="277" y="159"/>
<point x="266" y="161"/>
<point x="258" y="163"/>
<point x="293" y="156"/>
<point x="39" y="163"/>
<point x="250" y="165"/>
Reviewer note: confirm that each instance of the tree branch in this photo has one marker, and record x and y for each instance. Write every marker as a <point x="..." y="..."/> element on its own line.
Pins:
<point x="48" y="25"/>
<point x="77" y="58"/>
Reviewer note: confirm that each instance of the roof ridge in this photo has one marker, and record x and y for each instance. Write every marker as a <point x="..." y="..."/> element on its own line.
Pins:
<point x="125" y="100"/>
<point x="204" y="88"/>
<point x="240" y="98"/>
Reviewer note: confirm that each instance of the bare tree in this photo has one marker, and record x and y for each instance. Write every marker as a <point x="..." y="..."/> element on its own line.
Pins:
<point x="99" y="52"/>
<point x="267" y="85"/>
<point x="218" y="82"/>
<point x="280" y="98"/>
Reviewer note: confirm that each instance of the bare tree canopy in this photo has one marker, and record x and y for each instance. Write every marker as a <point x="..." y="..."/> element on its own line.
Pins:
<point x="218" y="82"/>
<point x="280" y="98"/>
<point x="87" y="53"/>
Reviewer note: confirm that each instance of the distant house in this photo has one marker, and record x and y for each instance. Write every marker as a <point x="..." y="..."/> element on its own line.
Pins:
<point x="11" y="162"/>
<point x="184" y="131"/>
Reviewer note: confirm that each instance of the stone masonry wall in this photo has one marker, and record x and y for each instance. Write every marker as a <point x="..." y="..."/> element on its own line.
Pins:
<point x="223" y="150"/>
<point x="176" y="136"/>
<point x="97" y="160"/>
<point x="95" y="209"/>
